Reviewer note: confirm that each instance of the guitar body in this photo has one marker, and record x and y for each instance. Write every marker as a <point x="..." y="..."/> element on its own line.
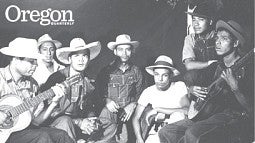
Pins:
<point x="203" y="109"/>
<point x="145" y="128"/>
<point x="16" y="124"/>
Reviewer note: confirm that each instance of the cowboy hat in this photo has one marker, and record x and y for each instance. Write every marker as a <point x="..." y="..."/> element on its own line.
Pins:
<point x="22" y="47"/>
<point x="234" y="28"/>
<point x="78" y="44"/>
<point x="163" y="62"/>
<point x="122" y="39"/>
<point x="46" y="38"/>
<point x="203" y="10"/>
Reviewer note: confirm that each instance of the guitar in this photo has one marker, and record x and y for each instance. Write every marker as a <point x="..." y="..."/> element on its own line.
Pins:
<point x="145" y="128"/>
<point x="17" y="110"/>
<point x="202" y="109"/>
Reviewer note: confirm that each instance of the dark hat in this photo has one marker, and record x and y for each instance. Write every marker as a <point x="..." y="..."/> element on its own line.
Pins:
<point x="203" y="10"/>
<point x="234" y="28"/>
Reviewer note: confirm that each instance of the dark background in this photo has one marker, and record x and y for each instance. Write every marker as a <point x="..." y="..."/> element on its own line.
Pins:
<point x="159" y="28"/>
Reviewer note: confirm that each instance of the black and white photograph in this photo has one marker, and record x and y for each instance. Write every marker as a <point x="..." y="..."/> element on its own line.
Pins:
<point x="127" y="71"/>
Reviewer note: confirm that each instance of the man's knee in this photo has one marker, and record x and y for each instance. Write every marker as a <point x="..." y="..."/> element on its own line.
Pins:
<point x="63" y="121"/>
<point x="191" y="135"/>
<point x="43" y="137"/>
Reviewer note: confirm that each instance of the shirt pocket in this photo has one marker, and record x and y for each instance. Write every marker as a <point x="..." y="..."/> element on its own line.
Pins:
<point x="114" y="84"/>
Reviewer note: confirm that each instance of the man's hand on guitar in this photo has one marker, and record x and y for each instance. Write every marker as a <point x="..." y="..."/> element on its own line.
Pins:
<point x="198" y="91"/>
<point x="3" y="117"/>
<point x="59" y="91"/>
<point x="148" y="115"/>
<point x="228" y="76"/>
<point x="111" y="105"/>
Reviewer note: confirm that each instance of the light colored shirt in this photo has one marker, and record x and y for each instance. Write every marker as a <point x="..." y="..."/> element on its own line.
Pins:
<point x="42" y="73"/>
<point x="170" y="98"/>
<point x="189" y="44"/>
<point x="26" y="88"/>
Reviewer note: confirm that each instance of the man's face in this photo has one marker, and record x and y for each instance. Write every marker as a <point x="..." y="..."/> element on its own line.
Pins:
<point x="162" y="78"/>
<point x="47" y="49"/>
<point x="200" y="24"/>
<point x="224" y="42"/>
<point x="26" y="66"/>
<point x="79" y="60"/>
<point x="123" y="52"/>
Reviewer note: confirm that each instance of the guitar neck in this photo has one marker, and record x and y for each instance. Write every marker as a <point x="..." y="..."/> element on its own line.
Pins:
<point x="240" y="63"/>
<point x="26" y="105"/>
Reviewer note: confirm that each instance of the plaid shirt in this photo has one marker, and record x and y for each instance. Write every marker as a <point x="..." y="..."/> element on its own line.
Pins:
<point x="26" y="88"/>
<point x="122" y="87"/>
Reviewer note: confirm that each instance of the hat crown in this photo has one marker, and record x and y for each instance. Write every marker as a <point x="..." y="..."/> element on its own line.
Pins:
<point x="204" y="10"/>
<point x="236" y="26"/>
<point x="77" y="42"/>
<point x="30" y="44"/>
<point x="22" y="47"/>
<point x="45" y="37"/>
<point x="123" y="38"/>
<point x="164" y="58"/>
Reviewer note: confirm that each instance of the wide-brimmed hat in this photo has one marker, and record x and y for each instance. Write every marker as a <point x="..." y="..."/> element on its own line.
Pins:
<point x="78" y="44"/>
<point x="203" y="10"/>
<point x="122" y="39"/>
<point x="22" y="47"/>
<point x="46" y="38"/>
<point x="234" y="28"/>
<point x="163" y="62"/>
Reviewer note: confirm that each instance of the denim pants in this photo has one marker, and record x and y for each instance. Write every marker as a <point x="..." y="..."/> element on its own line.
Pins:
<point x="187" y="131"/>
<point x="40" y="135"/>
<point x="127" y="134"/>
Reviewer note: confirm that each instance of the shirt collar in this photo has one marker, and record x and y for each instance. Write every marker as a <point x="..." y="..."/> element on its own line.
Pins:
<point x="117" y="63"/>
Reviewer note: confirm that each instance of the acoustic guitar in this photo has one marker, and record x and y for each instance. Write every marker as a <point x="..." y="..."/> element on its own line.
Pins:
<point x="17" y="110"/>
<point x="202" y="109"/>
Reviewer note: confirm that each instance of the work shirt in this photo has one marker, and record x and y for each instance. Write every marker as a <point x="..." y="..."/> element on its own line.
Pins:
<point x="78" y="100"/>
<point x="199" y="49"/>
<point x="26" y="88"/>
<point x="123" y="87"/>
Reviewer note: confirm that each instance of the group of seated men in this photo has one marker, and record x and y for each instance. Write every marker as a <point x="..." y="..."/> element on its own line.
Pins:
<point x="117" y="107"/>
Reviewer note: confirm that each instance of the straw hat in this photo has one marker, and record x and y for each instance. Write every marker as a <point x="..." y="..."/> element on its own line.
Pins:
<point x="163" y="62"/>
<point x="22" y="47"/>
<point x="78" y="44"/>
<point x="46" y="38"/>
<point x="122" y="39"/>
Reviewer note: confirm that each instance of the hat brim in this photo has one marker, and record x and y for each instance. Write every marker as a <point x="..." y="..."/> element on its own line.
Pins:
<point x="56" y="43"/>
<point x="63" y="53"/>
<point x="150" y="69"/>
<point x="198" y="15"/>
<point x="13" y="53"/>
<point x="223" y="24"/>
<point x="113" y="45"/>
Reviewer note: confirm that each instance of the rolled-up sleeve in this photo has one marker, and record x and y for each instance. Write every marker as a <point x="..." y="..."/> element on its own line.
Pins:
<point x="187" y="52"/>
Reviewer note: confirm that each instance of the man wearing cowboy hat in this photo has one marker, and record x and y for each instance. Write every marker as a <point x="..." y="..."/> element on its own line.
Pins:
<point x="120" y="85"/>
<point x="198" y="49"/>
<point x="166" y="97"/>
<point x="76" y="107"/>
<point x="233" y="108"/>
<point x="16" y="79"/>
<point x="47" y="65"/>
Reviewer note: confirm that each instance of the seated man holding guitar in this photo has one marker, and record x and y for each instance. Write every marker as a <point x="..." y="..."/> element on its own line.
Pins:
<point x="76" y="111"/>
<point x="19" y="102"/>
<point x="223" y="111"/>
<point x="166" y="97"/>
